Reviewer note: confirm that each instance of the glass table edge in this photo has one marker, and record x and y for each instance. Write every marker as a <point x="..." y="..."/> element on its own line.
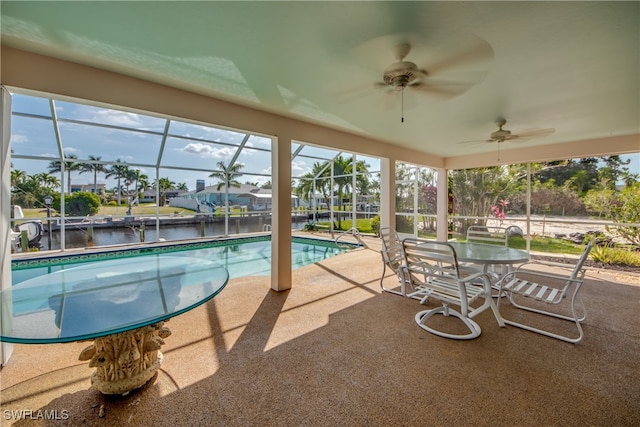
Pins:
<point x="87" y="337"/>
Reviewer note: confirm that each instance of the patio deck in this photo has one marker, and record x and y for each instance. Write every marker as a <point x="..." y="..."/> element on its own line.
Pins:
<point x="334" y="350"/>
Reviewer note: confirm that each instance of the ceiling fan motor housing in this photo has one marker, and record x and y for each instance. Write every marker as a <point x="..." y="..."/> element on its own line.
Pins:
<point x="400" y="74"/>
<point x="501" y="135"/>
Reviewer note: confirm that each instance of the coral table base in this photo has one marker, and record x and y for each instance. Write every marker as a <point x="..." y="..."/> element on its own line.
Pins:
<point x="127" y="360"/>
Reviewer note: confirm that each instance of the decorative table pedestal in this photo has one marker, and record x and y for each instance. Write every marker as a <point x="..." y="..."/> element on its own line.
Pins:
<point x="126" y="361"/>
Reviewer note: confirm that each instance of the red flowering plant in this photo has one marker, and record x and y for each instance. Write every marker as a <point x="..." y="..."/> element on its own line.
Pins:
<point x="498" y="211"/>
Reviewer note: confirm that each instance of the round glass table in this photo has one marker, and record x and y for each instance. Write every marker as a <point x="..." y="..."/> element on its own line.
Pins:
<point x="120" y="304"/>
<point x="485" y="254"/>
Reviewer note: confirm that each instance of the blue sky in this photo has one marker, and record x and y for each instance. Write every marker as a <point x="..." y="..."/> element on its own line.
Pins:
<point x="136" y="139"/>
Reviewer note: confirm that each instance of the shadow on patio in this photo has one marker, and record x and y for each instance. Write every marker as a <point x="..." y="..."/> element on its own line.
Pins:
<point x="334" y="350"/>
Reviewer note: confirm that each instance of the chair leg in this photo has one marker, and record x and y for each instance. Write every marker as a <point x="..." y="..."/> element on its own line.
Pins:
<point x="403" y="287"/>
<point x="391" y="291"/>
<point x="549" y="333"/>
<point x="496" y="312"/>
<point x="574" y="319"/>
<point x="422" y="317"/>
<point x="384" y="270"/>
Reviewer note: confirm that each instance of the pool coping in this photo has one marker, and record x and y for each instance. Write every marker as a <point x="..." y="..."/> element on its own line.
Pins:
<point x="83" y="255"/>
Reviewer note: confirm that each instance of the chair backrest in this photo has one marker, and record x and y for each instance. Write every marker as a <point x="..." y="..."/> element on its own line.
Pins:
<point x="430" y="258"/>
<point x="578" y="272"/>
<point x="391" y="247"/>
<point x="488" y="235"/>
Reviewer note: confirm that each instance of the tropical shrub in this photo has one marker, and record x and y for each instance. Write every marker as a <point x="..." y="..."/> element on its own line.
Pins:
<point x="82" y="203"/>
<point x="626" y="209"/>
<point x="375" y="224"/>
<point x="616" y="256"/>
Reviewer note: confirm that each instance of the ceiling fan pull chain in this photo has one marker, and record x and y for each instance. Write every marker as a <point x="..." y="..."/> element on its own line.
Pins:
<point x="402" y="106"/>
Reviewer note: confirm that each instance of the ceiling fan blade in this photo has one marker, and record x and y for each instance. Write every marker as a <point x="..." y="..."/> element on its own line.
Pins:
<point x="534" y="133"/>
<point x="443" y="89"/>
<point x="474" y="141"/>
<point x="357" y="92"/>
<point x="377" y="53"/>
<point x="474" y="54"/>
<point x="401" y="50"/>
<point x="391" y="100"/>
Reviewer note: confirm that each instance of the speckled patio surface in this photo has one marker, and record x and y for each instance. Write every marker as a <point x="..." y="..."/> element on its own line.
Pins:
<point x="336" y="351"/>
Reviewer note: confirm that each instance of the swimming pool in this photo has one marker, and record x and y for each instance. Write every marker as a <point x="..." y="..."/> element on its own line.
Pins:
<point x="247" y="256"/>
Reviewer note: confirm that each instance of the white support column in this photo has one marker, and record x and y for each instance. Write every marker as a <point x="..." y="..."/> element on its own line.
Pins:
<point x="5" y="209"/>
<point x="416" y="204"/>
<point x="442" y="206"/>
<point x="387" y="192"/>
<point x="528" y="230"/>
<point x="281" y="214"/>
<point x="354" y="192"/>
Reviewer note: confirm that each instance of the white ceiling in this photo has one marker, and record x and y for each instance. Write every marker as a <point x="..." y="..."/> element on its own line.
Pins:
<point x="571" y="66"/>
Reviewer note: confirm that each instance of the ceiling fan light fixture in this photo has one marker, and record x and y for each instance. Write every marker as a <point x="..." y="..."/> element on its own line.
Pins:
<point x="400" y="74"/>
<point x="501" y="135"/>
<point x="400" y="82"/>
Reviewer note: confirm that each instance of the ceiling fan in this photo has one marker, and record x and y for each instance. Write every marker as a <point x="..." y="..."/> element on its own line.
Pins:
<point x="404" y="74"/>
<point x="505" y="135"/>
<point x="450" y="63"/>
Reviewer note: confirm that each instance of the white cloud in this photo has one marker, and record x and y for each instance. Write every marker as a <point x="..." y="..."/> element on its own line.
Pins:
<point x="118" y="118"/>
<point x="299" y="167"/>
<point x="261" y="180"/>
<point x="18" y="139"/>
<point x="207" y="150"/>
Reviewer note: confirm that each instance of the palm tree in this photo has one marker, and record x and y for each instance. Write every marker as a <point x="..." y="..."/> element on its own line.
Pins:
<point x="46" y="180"/>
<point x="119" y="171"/>
<point x="227" y="176"/>
<point x="342" y="180"/>
<point x="309" y="185"/>
<point x="141" y="184"/>
<point x="93" y="168"/>
<point x="130" y="177"/>
<point x="182" y="187"/>
<point x="69" y="166"/>
<point x="17" y="177"/>
<point x="164" y="185"/>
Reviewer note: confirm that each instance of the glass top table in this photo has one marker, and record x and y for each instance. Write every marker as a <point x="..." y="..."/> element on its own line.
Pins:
<point x="106" y="297"/>
<point x="121" y="304"/>
<point x="484" y="254"/>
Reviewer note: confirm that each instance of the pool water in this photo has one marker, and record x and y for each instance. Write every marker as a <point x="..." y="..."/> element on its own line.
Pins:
<point x="241" y="257"/>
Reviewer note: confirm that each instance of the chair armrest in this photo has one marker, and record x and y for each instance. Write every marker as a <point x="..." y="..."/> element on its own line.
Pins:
<point x="473" y="278"/>
<point x="538" y="274"/>
<point x="544" y="263"/>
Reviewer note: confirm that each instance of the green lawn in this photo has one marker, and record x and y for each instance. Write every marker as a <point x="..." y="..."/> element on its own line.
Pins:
<point x="143" y="209"/>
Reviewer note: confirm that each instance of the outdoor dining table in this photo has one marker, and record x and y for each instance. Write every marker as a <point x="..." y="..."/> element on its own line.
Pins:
<point x="121" y="304"/>
<point x="486" y="255"/>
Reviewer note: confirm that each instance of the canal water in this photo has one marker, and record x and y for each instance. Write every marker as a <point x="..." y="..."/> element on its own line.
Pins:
<point x="76" y="237"/>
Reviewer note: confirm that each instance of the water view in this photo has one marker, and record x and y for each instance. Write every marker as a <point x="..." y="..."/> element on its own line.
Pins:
<point x="78" y="237"/>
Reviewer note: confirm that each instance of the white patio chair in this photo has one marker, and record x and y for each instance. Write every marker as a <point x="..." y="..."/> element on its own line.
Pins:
<point x="391" y="257"/>
<point x="488" y="235"/>
<point x="432" y="269"/>
<point x="558" y="291"/>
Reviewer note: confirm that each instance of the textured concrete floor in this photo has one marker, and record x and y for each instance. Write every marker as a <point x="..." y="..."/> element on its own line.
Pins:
<point x="335" y="351"/>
